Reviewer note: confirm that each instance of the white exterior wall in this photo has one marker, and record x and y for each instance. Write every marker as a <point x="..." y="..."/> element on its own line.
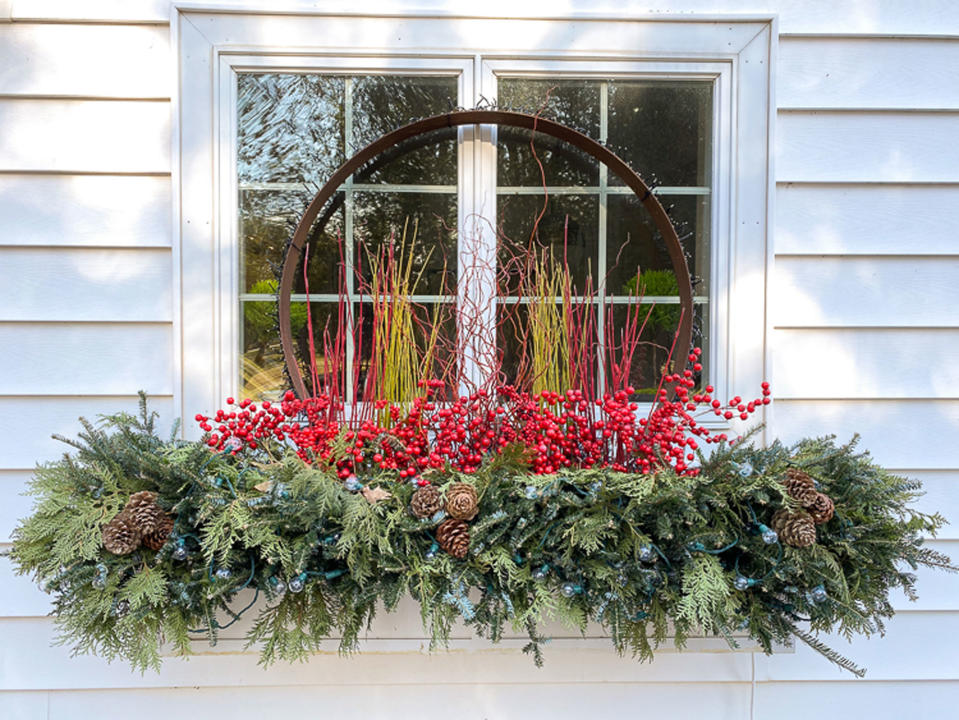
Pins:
<point x="866" y="271"/>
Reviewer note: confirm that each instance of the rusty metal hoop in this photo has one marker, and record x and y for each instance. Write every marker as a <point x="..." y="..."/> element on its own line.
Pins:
<point x="485" y="117"/>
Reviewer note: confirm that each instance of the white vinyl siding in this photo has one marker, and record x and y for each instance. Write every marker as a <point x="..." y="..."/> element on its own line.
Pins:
<point x="862" y="303"/>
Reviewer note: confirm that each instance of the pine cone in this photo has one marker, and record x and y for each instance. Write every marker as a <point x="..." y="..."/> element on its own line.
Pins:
<point x="794" y="527"/>
<point x="454" y="537"/>
<point x="143" y="508"/>
<point x="461" y="501"/>
<point x="800" y="485"/>
<point x="821" y="509"/>
<point x="157" y="539"/>
<point x="426" y="502"/>
<point x="120" y="535"/>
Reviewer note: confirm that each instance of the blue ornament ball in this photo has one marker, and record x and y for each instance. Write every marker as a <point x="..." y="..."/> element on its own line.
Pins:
<point x="646" y="554"/>
<point x="180" y="553"/>
<point x="223" y="573"/>
<point x="741" y="583"/>
<point x="297" y="585"/>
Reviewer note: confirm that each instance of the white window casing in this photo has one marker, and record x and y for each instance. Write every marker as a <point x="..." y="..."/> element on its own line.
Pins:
<point x="212" y="47"/>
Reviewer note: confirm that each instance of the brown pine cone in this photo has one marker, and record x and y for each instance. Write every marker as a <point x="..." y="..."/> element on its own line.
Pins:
<point x="454" y="537"/>
<point x="800" y="485"/>
<point x="794" y="527"/>
<point x="426" y="502"/>
<point x="121" y="535"/>
<point x="157" y="539"/>
<point x="821" y="509"/>
<point x="143" y="508"/>
<point x="461" y="501"/>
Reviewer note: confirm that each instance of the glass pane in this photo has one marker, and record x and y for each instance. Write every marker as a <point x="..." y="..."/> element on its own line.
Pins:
<point x="265" y="226"/>
<point x="263" y="371"/>
<point x="537" y="350"/>
<point x="571" y="102"/>
<point x="634" y="244"/>
<point x="383" y="103"/>
<point x="651" y="355"/>
<point x="567" y="230"/>
<point x="290" y="127"/>
<point x="267" y="221"/>
<point x="430" y="237"/>
<point x="662" y="129"/>
<point x="416" y="343"/>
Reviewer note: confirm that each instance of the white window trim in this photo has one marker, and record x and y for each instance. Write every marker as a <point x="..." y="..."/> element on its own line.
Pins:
<point x="212" y="44"/>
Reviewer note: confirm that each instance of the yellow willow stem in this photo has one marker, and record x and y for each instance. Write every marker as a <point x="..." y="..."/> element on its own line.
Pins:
<point x="398" y="358"/>
<point x="549" y="338"/>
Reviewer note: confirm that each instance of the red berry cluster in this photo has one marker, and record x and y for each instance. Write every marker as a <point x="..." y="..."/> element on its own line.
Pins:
<point x="558" y="430"/>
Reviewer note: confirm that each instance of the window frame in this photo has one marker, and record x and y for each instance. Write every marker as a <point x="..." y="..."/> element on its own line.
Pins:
<point x="735" y="53"/>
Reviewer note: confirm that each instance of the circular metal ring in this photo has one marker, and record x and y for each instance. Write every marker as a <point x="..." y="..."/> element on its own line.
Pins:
<point x="485" y="117"/>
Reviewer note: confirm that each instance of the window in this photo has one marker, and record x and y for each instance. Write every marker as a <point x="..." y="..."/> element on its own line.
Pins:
<point x="289" y="99"/>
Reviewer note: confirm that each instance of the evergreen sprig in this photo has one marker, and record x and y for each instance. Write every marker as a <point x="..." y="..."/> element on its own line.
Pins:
<point x="645" y="556"/>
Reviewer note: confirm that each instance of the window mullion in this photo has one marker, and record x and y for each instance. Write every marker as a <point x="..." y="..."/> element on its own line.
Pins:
<point x="348" y="244"/>
<point x="600" y="270"/>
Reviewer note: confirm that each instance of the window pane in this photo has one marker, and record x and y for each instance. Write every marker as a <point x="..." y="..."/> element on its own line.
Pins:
<point x="430" y="236"/>
<point x="267" y="221"/>
<point x="422" y="349"/>
<point x="634" y="244"/>
<point x="567" y="230"/>
<point x="263" y="374"/>
<point x="530" y="358"/>
<point x="290" y="127"/>
<point x="383" y="103"/>
<point x="571" y="102"/>
<point x="662" y="129"/>
<point x="651" y="355"/>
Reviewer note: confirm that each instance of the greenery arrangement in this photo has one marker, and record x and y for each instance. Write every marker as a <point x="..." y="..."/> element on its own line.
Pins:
<point x="544" y="491"/>
<point x="145" y="541"/>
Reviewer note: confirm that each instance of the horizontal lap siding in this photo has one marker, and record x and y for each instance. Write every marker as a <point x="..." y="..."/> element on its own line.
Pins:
<point x="86" y="285"/>
<point x="60" y="358"/>
<point x="86" y="305"/>
<point x="81" y="61"/>
<point x="880" y="146"/>
<point x="470" y="662"/>
<point x="472" y="702"/>
<point x="66" y="210"/>
<point x="879" y="73"/>
<point x="889" y="17"/>
<point x="847" y="218"/>
<point x="27" y="440"/>
<point x="90" y="136"/>
<point x="919" y="699"/>
<point x="863" y="307"/>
